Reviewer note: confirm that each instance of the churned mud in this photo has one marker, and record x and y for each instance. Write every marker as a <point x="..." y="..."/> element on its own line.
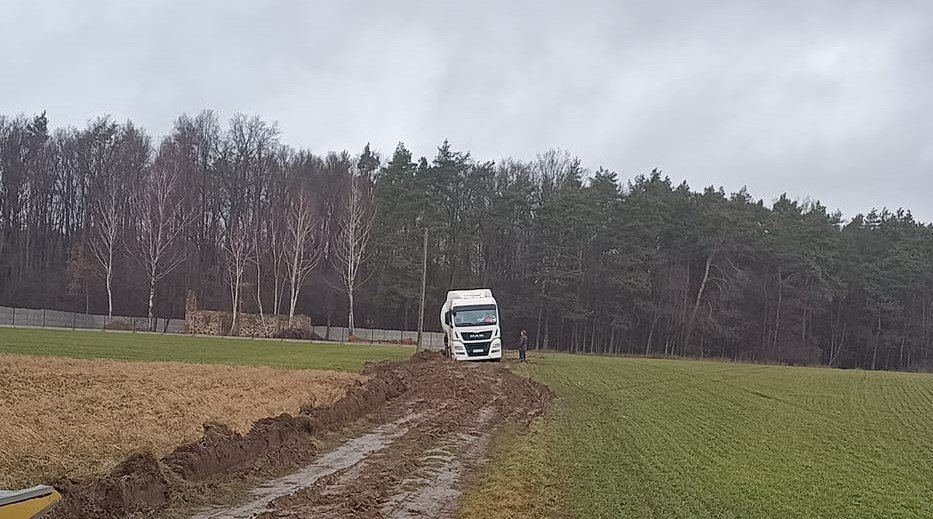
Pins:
<point x="433" y="489"/>
<point x="343" y="457"/>
<point x="426" y="423"/>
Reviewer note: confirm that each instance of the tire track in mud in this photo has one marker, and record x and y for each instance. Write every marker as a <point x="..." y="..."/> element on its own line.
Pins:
<point x="419" y="475"/>
<point x="433" y="491"/>
<point x="343" y="457"/>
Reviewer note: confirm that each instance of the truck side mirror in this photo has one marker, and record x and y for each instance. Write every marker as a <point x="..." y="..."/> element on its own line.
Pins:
<point x="447" y="318"/>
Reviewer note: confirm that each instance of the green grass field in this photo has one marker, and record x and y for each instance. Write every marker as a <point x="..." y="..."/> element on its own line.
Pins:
<point x="181" y="348"/>
<point x="666" y="438"/>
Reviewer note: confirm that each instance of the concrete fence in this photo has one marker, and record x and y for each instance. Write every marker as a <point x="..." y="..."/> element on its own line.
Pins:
<point x="432" y="340"/>
<point x="27" y="317"/>
<point x="79" y="321"/>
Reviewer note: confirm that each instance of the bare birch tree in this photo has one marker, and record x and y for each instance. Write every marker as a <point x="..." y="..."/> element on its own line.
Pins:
<point x="239" y="253"/>
<point x="161" y="219"/>
<point x="105" y="236"/>
<point x="351" y="247"/>
<point x="303" y="250"/>
<point x="103" y="142"/>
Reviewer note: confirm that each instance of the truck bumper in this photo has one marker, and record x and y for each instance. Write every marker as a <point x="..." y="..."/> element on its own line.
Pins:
<point x="493" y="353"/>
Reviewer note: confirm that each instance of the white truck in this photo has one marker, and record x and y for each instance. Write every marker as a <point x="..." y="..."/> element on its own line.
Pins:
<point x="470" y="320"/>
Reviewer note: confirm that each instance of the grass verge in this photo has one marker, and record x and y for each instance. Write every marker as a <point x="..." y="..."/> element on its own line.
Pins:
<point x="520" y="481"/>
<point x="184" y="348"/>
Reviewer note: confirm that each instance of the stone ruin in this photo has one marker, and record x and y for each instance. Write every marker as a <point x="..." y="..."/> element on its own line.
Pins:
<point x="217" y="322"/>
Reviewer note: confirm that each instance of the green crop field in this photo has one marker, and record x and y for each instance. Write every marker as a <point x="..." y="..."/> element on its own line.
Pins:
<point x="668" y="438"/>
<point x="181" y="348"/>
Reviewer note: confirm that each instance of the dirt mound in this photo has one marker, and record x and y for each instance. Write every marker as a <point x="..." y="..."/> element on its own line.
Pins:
<point x="221" y="449"/>
<point x="450" y="395"/>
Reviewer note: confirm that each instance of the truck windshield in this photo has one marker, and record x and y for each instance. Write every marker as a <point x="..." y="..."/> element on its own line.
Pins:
<point x="478" y="315"/>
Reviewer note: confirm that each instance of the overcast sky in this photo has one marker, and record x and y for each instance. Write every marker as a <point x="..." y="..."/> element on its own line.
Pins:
<point x="824" y="99"/>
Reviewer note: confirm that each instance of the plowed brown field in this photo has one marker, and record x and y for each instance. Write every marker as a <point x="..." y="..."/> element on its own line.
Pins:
<point x="68" y="417"/>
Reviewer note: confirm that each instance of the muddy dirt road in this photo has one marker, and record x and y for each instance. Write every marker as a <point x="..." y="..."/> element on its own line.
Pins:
<point x="421" y="427"/>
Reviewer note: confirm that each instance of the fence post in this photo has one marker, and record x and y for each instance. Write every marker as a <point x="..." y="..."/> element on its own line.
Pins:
<point x="372" y="335"/>
<point x="134" y="324"/>
<point x="43" y="317"/>
<point x="13" y="319"/>
<point x="74" y="320"/>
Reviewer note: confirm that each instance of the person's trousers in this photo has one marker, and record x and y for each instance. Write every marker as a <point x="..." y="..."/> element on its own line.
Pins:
<point x="521" y="354"/>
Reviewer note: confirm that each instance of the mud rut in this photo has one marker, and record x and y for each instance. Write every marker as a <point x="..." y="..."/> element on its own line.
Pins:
<point x="427" y="424"/>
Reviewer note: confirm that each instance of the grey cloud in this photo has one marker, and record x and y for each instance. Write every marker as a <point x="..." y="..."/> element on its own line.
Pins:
<point x="819" y="99"/>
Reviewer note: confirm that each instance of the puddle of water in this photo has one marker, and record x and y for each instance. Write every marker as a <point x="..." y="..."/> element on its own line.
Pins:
<point x="344" y="456"/>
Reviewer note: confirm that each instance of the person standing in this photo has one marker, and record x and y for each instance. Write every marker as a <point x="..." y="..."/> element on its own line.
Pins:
<point x="522" y="346"/>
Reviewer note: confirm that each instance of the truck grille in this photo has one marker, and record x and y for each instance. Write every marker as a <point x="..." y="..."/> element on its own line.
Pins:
<point x="477" y="349"/>
<point x="476" y="336"/>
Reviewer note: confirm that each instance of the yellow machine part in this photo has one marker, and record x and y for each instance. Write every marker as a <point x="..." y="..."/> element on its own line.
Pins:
<point x="29" y="508"/>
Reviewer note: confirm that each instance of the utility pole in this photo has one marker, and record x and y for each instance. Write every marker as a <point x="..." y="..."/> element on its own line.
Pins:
<point x="424" y="281"/>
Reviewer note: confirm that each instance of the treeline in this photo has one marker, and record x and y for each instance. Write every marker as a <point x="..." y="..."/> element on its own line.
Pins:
<point x="104" y="217"/>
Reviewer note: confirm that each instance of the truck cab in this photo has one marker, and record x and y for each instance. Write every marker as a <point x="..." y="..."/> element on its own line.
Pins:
<point x="470" y="320"/>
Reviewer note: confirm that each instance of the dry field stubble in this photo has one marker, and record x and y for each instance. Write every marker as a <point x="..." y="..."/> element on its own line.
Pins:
<point x="76" y="417"/>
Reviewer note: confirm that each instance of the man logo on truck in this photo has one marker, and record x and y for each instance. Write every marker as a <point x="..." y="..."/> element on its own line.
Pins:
<point x="470" y="320"/>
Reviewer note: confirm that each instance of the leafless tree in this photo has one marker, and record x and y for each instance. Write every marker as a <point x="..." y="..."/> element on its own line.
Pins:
<point x="351" y="247"/>
<point x="239" y="253"/>
<point x="277" y="241"/>
<point x="277" y="227"/>
<point x="303" y="249"/>
<point x="161" y="218"/>
<point x="254" y="143"/>
<point x="115" y="158"/>
<point x="105" y="236"/>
